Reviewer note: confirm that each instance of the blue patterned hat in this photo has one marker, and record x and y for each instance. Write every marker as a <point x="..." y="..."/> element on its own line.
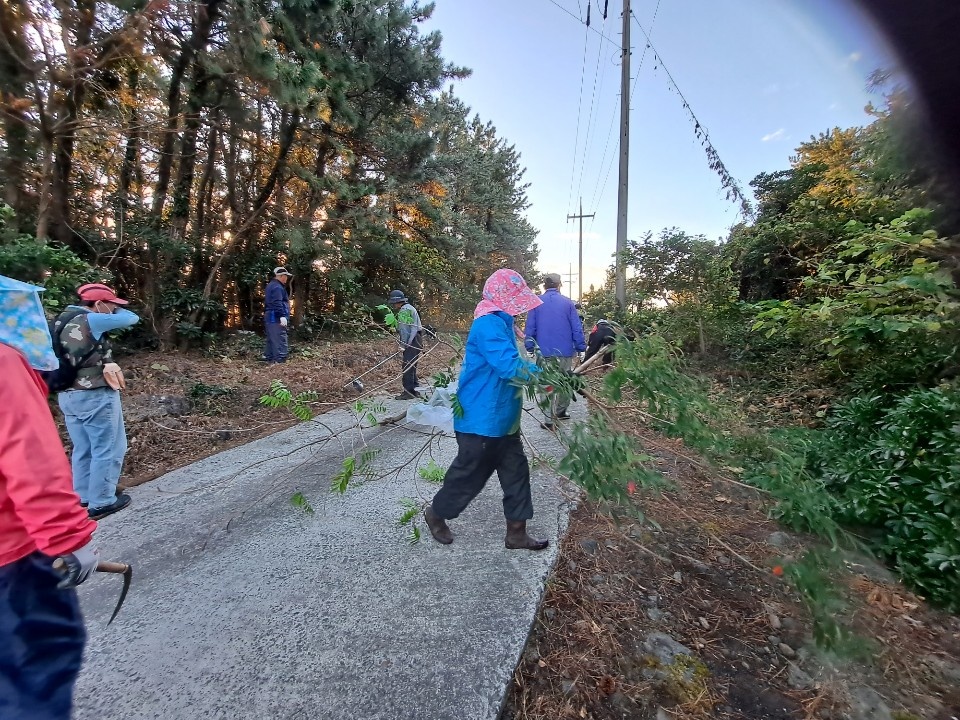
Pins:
<point x="23" y="325"/>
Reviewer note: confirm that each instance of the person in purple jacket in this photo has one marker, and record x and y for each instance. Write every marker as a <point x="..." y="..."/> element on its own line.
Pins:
<point x="554" y="330"/>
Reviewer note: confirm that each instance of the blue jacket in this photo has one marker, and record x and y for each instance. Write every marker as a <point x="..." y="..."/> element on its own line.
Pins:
<point x="555" y="326"/>
<point x="491" y="405"/>
<point x="277" y="304"/>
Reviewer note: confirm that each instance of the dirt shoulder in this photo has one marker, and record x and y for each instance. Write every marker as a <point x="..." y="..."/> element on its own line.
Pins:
<point x="694" y="620"/>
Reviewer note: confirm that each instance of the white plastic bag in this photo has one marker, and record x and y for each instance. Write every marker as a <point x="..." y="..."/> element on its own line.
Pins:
<point x="437" y="412"/>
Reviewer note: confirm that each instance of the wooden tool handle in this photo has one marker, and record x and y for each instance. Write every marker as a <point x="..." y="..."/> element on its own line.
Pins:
<point x="104" y="566"/>
<point x="587" y="364"/>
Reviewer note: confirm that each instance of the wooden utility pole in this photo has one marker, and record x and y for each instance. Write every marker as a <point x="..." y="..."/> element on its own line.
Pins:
<point x="580" y="217"/>
<point x="621" y="269"/>
<point x="570" y="274"/>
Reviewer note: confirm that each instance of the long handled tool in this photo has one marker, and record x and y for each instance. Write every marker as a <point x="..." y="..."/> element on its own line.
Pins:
<point x="106" y="566"/>
<point x="356" y="381"/>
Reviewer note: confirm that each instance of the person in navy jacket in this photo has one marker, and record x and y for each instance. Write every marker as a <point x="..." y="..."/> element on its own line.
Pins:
<point x="555" y="330"/>
<point x="276" y="316"/>
<point x="488" y="431"/>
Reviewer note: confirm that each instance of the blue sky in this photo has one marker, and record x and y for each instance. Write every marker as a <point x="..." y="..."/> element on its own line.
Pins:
<point x="760" y="75"/>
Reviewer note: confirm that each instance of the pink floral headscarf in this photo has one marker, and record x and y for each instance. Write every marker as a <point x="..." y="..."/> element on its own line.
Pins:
<point x="506" y="291"/>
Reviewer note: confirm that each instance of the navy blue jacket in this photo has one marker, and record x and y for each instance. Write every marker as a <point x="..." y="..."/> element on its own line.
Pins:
<point x="277" y="303"/>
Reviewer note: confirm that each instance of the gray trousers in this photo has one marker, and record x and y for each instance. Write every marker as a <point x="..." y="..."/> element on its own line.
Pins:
<point x="276" y="342"/>
<point x="411" y="355"/>
<point x="560" y="401"/>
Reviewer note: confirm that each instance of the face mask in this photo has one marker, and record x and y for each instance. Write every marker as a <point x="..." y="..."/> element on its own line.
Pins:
<point x="23" y="324"/>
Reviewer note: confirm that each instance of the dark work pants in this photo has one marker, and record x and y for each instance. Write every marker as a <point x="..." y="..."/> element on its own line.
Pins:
<point x="411" y="354"/>
<point x="41" y="641"/>
<point x="276" y="342"/>
<point x="477" y="458"/>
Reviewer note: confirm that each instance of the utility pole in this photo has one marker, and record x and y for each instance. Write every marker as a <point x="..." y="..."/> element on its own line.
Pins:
<point x="621" y="272"/>
<point x="580" y="217"/>
<point x="570" y="275"/>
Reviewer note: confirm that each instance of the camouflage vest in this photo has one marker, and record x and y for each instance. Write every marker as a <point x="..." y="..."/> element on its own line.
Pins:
<point x="76" y="340"/>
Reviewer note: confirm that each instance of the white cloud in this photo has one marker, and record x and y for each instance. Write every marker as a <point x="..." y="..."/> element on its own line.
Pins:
<point x="775" y="135"/>
<point x="771" y="89"/>
<point x="854" y="56"/>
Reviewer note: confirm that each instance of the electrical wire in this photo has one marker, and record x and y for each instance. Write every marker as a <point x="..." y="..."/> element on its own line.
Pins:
<point x="734" y="191"/>
<point x="593" y="96"/>
<point x="597" y="198"/>
<point x="579" y="20"/>
<point x="576" y="140"/>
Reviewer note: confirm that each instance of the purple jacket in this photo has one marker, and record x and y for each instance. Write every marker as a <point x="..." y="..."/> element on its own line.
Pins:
<point x="555" y="326"/>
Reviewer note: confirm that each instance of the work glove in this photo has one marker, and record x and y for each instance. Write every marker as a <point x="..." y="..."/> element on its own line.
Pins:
<point x="114" y="376"/>
<point x="283" y="321"/>
<point x="78" y="565"/>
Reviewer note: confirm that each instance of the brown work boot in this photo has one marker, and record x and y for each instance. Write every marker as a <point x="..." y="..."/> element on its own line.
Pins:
<point x="438" y="526"/>
<point x="517" y="538"/>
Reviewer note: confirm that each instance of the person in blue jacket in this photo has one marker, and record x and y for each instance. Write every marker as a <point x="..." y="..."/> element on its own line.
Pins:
<point x="556" y="330"/>
<point x="488" y="431"/>
<point x="276" y="315"/>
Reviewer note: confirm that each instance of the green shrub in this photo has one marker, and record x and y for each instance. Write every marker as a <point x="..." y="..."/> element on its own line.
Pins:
<point x="56" y="268"/>
<point x="894" y="464"/>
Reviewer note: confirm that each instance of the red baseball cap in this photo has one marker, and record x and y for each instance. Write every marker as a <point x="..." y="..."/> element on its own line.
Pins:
<point x="92" y="292"/>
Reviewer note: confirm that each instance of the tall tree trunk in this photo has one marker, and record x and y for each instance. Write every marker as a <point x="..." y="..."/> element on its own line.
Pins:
<point x="65" y="127"/>
<point x="288" y="132"/>
<point x="14" y="101"/>
<point x="205" y="191"/>
<point x="131" y="153"/>
<point x="207" y="14"/>
<point x="183" y="189"/>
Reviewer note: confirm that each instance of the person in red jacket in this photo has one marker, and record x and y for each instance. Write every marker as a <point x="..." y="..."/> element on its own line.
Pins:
<point x="41" y="629"/>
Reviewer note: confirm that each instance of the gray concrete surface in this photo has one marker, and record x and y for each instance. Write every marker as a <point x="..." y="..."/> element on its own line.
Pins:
<point x="244" y="606"/>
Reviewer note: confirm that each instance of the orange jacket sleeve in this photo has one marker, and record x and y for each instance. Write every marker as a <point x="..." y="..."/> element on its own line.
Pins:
<point x="38" y="506"/>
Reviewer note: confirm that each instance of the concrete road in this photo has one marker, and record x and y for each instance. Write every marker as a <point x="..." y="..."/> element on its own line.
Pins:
<point x="244" y="606"/>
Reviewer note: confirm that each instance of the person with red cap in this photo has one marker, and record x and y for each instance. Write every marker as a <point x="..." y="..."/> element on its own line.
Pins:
<point x="41" y="628"/>
<point x="91" y="405"/>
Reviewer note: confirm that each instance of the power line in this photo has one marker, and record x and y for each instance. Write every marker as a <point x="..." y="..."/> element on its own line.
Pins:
<point x="734" y="191"/>
<point x="597" y="198"/>
<point x="580" y="20"/>
<point x="593" y="95"/>
<point x="576" y="140"/>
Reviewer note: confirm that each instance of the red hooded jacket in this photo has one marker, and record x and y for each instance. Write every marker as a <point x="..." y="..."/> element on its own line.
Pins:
<point x="38" y="508"/>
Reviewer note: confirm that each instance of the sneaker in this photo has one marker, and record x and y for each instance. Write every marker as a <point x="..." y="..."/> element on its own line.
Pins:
<point x="84" y="503"/>
<point x="563" y="416"/>
<point x="547" y="426"/>
<point x="119" y="504"/>
<point x="406" y="396"/>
